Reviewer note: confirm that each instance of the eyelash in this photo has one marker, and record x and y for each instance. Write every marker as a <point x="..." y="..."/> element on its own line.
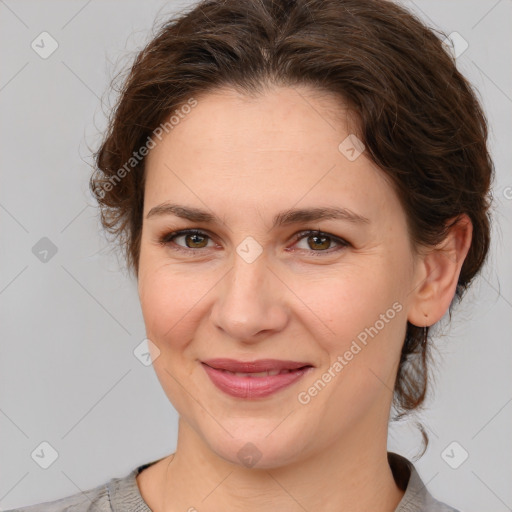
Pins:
<point x="167" y="238"/>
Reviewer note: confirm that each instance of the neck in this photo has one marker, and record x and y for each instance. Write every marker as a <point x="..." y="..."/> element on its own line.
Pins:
<point x="353" y="474"/>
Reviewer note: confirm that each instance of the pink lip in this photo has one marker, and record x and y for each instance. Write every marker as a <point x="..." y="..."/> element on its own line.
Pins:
<point x="253" y="387"/>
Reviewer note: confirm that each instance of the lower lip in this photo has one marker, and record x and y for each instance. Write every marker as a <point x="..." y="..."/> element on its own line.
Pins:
<point x="253" y="387"/>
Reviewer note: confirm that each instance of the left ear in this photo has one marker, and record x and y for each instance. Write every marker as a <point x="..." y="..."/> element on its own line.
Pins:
<point x="437" y="273"/>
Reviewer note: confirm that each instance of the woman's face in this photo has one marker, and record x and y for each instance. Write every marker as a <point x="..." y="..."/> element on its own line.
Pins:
<point x="247" y="288"/>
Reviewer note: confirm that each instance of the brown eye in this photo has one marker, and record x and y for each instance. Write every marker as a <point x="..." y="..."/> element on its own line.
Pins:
<point x="196" y="241"/>
<point x="192" y="239"/>
<point x="318" y="242"/>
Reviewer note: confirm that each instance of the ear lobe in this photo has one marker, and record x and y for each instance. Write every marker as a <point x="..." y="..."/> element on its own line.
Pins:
<point x="438" y="273"/>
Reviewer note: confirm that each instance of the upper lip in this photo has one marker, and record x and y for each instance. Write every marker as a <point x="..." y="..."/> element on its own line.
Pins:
<point x="260" y="365"/>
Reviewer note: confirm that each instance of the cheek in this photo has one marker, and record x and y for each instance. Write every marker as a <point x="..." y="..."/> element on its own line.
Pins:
<point x="347" y="302"/>
<point x="172" y="302"/>
<point x="164" y="296"/>
<point x="363" y="323"/>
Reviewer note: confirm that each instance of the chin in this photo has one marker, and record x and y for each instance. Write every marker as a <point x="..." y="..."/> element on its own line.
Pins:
<point x="259" y="451"/>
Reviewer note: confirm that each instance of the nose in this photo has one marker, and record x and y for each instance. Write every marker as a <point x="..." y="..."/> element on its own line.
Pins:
<point x="250" y="302"/>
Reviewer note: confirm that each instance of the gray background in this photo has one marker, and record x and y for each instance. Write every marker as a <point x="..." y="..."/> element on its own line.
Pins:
<point x="68" y="374"/>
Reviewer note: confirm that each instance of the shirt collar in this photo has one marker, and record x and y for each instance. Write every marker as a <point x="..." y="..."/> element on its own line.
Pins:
<point x="415" y="499"/>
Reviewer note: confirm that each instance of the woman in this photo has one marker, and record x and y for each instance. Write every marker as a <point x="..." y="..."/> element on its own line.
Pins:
<point x="301" y="190"/>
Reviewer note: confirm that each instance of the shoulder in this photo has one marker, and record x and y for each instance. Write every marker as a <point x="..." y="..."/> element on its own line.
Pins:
<point x="95" y="499"/>
<point x="118" y="494"/>
<point x="416" y="498"/>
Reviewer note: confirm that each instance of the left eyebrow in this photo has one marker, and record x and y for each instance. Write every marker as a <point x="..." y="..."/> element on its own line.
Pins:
<point x="294" y="216"/>
<point x="284" y="218"/>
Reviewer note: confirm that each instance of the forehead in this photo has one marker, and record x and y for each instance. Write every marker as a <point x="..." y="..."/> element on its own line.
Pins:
<point x="279" y="147"/>
<point x="282" y="118"/>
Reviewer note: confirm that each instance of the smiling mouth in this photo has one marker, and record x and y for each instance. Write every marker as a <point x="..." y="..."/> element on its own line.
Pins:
<point x="254" y="379"/>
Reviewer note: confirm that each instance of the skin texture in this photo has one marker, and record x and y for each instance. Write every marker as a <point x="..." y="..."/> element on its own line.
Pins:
<point x="246" y="159"/>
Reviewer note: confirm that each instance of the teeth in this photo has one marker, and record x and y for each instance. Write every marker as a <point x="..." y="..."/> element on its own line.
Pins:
<point x="259" y="374"/>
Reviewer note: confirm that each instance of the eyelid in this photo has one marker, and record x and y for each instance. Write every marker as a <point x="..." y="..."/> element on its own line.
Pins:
<point x="167" y="238"/>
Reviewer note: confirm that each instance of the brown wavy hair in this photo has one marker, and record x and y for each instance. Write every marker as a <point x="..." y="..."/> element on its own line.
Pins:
<point x="419" y="118"/>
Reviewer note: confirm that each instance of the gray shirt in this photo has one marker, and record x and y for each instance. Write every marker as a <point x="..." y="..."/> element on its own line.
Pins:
<point x="123" y="495"/>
